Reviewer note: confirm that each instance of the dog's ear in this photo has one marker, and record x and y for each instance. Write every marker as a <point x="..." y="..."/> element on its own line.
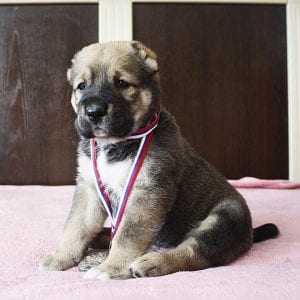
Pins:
<point x="147" y="56"/>
<point x="70" y="72"/>
<point x="69" y="77"/>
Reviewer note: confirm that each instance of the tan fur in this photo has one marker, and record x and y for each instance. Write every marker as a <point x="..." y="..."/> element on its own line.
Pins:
<point x="82" y="226"/>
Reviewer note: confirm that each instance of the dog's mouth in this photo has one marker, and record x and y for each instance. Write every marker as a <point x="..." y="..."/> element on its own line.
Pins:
<point x="100" y="132"/>
<point x="104" y="130"/>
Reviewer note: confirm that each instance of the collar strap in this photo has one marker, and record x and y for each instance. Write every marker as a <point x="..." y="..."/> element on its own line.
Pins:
<point x="116" y="215"/>
<point x="145" y="130"/>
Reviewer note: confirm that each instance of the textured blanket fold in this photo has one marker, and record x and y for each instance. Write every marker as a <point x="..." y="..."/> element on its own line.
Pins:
<point x="32" y="220"/>
<point x="251" y="182"/>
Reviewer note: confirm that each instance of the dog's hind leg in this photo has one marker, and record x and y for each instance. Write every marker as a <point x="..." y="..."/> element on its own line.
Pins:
<point x="217" y="240"/>
<point x="182" y="258"/>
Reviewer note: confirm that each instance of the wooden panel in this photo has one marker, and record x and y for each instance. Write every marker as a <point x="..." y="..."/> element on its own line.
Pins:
<point x="223" y="71"/>
<point x="37" y="139"/>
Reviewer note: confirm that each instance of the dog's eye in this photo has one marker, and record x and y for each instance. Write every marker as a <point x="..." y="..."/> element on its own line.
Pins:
<point x="122" y="84"/>
<point x="81" y="86"/>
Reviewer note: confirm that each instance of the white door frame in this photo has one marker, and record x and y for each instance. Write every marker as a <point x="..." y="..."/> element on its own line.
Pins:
<point x="293" y="45"/>
<point x="116" y="23"/>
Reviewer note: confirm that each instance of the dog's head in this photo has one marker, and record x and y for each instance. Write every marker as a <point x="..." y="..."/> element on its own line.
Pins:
<point x="115" y="89"/>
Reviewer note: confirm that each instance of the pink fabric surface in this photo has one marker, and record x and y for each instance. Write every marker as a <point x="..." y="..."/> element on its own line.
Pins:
<point x="251" y="182"/>
<point x="32" y="219"/>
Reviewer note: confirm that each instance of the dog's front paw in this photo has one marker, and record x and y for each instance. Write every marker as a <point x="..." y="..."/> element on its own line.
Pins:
<point x="56" y="263"/>
<point x="105" y="272"/>
<point x="95" y="273"/>
<point x="148" y="265"/>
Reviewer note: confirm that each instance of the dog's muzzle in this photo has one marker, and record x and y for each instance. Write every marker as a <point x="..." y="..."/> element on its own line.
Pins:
<point x="95" y="109"/>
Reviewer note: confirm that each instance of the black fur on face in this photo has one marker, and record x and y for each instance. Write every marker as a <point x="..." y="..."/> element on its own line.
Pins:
<point x="117" y="122"/>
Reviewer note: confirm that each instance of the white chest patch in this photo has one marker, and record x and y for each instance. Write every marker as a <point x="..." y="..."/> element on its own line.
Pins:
<point x="114" y="175"/>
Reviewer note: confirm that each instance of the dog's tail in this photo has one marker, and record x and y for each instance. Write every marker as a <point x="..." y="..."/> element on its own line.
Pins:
<point x="264" y="232"/>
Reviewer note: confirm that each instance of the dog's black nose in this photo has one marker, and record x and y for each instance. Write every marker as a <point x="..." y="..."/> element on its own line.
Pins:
<point x="95" y="110"/>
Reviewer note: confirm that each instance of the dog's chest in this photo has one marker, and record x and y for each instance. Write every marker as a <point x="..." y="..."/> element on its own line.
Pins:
<point x="113" y="174"/>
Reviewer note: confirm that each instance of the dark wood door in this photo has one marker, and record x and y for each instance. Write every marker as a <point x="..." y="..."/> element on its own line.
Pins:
<point x="223" y="72"/>
<point x="37" y="42"/>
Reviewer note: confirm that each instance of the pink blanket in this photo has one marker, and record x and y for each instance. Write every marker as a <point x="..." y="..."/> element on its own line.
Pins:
<point x="32" y="219"/>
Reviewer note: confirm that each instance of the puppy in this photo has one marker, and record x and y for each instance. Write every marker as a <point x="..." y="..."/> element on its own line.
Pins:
<point x="180" y="213"/>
